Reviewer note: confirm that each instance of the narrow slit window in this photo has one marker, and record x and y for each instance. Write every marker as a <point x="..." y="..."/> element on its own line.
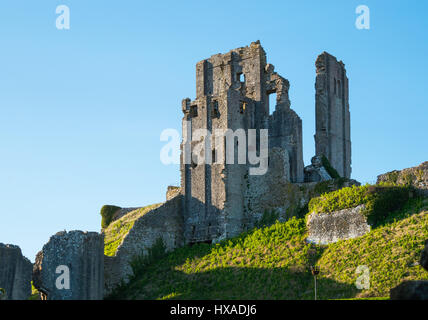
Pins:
<point x="242" y="106"/>
<point x="240" y="77"/>
<point x="194" y="111"/>
<point x="272" y="102"/>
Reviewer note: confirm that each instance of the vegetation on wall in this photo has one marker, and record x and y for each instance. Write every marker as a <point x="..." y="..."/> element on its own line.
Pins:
<point x="117" y="230"/>
<point x="269" y="217"/>
<point x="139" y="265"/>
<point x="329" y="185"/>
<point x="329" y="168"/>
<point x="273" y="261"/>
<point x="379" y="200"/>
<point x="35" y="295"/>
<point x="107" y="213"/>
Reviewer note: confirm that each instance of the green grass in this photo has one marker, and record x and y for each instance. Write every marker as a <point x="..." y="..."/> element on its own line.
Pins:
<point x="274" y="263"/>
<point x="391" y="252"/>
<point x="35" y="295"/>
<point x="379" y="200"/>
<point x="117" y="231"/>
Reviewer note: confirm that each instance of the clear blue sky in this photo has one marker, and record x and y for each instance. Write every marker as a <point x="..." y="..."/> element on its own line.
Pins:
<point x="81" y="110"/>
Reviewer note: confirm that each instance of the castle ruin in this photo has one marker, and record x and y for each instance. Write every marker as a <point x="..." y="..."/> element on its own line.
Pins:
<point x="232" y="92"/>
<point x="219" y="199"/>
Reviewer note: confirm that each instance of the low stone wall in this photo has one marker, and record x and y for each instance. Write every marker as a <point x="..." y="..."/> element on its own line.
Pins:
<point x="83" y="254"/>
<point x="415" y="176"/>
<point x="172" y="192"/>
<point x="164" y="222"/>
<point x="15" y="273"/>
<point x="121" y="212"/>
<point x="325" y="228"/>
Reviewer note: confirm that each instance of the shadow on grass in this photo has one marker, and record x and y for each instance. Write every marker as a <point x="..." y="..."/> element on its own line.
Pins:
<point x="294" y="283"/>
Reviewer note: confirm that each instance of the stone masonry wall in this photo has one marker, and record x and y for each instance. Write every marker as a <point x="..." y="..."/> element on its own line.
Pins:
<point x="165" y="222"/>
<point x="415" y="176"/>
<point x="332" y="137"/>
<point x="83" y="254"/>
<point x="232" y="92"/>
<point x="172" y="192"/>
<point x="15" y="273"/>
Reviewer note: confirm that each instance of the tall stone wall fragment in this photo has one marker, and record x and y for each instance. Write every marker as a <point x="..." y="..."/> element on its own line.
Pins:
<point x="82" y="254"/>
<point x="15" y="273"/>
<point x="232" y="93"/>
<point x="333" y="132"/>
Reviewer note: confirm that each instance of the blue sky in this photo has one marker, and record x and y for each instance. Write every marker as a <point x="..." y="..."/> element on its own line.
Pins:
<point x="81" y="110"/>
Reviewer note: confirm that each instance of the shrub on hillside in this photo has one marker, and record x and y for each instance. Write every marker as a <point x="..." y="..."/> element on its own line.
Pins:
<point x="107" y="213"/>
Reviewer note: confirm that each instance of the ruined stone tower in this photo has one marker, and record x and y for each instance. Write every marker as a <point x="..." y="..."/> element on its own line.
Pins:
<point x="332" y="137"/>
<point x="232" y="92"/>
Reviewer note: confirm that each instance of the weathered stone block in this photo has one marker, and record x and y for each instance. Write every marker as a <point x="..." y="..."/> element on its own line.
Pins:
<point x="316" y="172"/>
<point x="325" y="228"/>
<point x="410" y="290"/>
<point x="83" y="254"/>
<point x="415" y="176"/>
<point x="15" y="273"/>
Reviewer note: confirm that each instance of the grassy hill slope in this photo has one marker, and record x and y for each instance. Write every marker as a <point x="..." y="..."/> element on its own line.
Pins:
<point x="116" y="231"/>
<point x="273" y="263"/>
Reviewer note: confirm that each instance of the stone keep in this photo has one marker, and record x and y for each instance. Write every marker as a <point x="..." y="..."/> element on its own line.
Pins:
<point x="332" y="137"/>
<point x="83" y="254"/>
<point x="232" y="92"/>
<point x="15" y="273"/>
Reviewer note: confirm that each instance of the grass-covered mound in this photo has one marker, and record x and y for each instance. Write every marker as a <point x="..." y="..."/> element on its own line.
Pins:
<point x="379" y="200"/>
<point x="273" y="263"/>
<point x="117" y="231"/>
<point x="391" y="253"/>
